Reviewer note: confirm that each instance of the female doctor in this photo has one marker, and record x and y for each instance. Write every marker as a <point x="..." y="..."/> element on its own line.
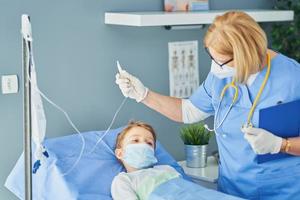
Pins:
<point x="254" y="77"/>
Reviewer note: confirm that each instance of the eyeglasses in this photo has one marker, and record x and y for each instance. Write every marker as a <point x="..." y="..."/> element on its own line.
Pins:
<point x="221" y="65"/>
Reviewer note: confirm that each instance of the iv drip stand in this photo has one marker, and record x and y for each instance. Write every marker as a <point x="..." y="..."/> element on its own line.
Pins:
<point x="27" y="107"/>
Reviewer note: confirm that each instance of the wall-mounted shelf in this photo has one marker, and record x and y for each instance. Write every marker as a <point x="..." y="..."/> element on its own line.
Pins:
<point x="188" y="18"/>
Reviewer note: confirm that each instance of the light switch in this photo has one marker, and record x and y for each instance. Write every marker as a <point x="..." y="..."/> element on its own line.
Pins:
<point x="10" y="84"/>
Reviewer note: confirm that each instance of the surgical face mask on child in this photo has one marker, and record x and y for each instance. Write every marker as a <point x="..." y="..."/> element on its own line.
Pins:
<point x="139" y="156"/>
<point x="222" y="72"/>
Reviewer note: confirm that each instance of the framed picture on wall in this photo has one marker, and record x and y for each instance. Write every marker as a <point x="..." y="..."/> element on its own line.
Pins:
<point x="185" y="5"/>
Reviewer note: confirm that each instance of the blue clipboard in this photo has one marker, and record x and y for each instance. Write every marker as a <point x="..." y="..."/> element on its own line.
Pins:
<point x="282" y="120"/>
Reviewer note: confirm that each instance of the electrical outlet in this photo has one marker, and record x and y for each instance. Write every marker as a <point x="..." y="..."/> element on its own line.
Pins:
<point x="10" y="84"/>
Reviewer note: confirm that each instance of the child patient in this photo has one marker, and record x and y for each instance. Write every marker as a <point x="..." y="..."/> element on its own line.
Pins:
<point x="135" y="150"/>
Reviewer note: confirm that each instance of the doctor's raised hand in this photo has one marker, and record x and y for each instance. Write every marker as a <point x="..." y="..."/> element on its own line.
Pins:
<point x="245" y="76"/>
<point x="171" y="107"/>
<point x="131" y="86"/>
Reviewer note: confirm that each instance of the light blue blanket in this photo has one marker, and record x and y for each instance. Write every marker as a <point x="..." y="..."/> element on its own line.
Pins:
<point x="92" y="177"/>
<point x="181" y="189"/>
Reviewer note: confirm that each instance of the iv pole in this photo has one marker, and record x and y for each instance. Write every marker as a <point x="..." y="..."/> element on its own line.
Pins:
<point x="26" y="44"/>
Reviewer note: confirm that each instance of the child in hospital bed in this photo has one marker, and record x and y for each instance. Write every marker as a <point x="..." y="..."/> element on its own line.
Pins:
<point x="135" y="150"/>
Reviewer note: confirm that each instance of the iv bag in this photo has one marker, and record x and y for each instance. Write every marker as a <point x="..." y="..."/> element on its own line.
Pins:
<point x="38" y="123"/>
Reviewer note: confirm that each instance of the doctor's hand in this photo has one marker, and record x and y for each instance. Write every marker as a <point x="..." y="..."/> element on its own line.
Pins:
<point x="130" y="86"/>
<point x="262" y="141"/>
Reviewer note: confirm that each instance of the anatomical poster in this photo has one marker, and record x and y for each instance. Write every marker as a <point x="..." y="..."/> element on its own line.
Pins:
<point x="183" y="68"/>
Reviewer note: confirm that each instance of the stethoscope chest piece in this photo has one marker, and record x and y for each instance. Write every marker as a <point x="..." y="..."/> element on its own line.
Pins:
<point x="247" y="125"/>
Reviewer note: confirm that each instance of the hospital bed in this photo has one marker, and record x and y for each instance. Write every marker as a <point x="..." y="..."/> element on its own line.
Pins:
<point x="91" y="178"/>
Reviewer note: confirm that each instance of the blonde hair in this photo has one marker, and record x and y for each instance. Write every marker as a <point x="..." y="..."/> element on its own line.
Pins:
<point x="237" y="35"/>
<point x="131" y="125"/>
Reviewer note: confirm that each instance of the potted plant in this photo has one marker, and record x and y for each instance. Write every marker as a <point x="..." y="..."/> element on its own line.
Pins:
<point x="195" y="138"/>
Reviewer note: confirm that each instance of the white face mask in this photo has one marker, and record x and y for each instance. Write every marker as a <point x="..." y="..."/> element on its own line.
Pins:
<point x="222" y="72"/>
<point x="139" y="156"/>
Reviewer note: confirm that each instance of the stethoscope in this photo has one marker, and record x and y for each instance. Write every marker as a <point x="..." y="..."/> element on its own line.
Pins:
<point x="235" y="97"/>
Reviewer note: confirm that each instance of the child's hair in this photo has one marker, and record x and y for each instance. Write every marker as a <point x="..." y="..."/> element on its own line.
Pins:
<point x="131" y="125"/>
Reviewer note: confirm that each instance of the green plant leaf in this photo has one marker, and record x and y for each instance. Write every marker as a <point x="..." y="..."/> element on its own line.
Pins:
<point x="195" y="134"/>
